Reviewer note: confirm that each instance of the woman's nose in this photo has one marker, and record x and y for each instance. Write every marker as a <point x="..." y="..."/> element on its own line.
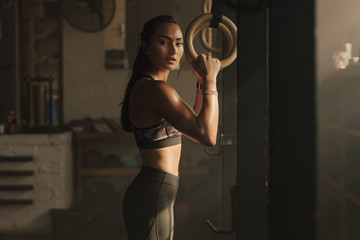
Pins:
<point x="172" y="48"/>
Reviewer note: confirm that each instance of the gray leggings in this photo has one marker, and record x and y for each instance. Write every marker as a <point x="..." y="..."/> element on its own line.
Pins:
<point x="148" y="205"/>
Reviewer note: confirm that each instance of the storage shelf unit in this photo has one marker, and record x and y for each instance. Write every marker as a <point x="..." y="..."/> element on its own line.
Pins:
<point x="41" y="57"/>
<point x="82" y="139"/>
<point x="126" y="173"/>
<point x="339" y="140"/>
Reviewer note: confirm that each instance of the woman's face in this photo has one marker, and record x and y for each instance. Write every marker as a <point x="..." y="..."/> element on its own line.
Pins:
<point x="166" y="47"/>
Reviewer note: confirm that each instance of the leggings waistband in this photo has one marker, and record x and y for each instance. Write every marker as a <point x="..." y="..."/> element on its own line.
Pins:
<point x="153" y="174"/>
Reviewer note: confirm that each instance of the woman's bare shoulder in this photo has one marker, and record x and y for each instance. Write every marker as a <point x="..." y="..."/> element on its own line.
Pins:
<point x="156" y="89"/>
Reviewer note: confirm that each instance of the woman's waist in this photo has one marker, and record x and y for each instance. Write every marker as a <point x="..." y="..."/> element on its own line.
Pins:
<point x="164" y="159"/>
<point x="149" y="174"/>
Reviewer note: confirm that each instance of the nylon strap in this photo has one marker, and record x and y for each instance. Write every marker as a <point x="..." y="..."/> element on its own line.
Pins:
<point x="217" y="8"/>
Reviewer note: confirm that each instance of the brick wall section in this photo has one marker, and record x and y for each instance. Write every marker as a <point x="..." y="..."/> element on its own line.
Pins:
<point x="52" y="180"/>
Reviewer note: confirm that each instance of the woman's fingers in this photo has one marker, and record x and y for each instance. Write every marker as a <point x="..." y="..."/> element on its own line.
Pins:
<point x="207" y="67"/>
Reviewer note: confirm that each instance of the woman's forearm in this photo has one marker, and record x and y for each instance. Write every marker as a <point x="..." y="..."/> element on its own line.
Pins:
<point x="208" y="116"/>
<point x="198" y="101"/>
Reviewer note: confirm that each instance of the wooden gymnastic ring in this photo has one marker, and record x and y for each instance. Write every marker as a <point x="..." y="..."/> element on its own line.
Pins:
<point x="205" y="8"/>
<point x="203" y="21"/>
<point x="224" y="29"/>
<point x="207" y="45"/>
<point x="227" y="32"/>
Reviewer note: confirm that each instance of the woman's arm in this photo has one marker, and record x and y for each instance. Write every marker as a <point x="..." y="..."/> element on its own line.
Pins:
<point x="201" y="127"/>
<point x="208" y="116"/>
<point x="198" y="98"/>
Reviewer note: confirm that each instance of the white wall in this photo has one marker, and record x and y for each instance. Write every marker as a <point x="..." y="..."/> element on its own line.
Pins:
<point x="89" y="89"/>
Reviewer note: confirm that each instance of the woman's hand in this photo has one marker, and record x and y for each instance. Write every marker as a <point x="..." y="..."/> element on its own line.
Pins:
<point x="206" y="68"/>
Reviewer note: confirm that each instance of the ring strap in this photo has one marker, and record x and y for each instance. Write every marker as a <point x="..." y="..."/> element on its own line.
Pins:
<point x="217" y="11"/>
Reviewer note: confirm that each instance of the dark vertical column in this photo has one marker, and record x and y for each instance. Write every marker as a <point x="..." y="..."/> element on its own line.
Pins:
<point x="252" y="126"/>
<point x="228" y="126"/>
<point x="7" y="59"/>
<point x="292" y="120"/>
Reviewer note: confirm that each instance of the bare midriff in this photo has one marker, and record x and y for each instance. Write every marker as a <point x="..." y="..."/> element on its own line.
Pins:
<point x="164" y="159"/>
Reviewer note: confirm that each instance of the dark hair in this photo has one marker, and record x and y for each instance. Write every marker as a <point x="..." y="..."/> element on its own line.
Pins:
<point x="140" y="64"/>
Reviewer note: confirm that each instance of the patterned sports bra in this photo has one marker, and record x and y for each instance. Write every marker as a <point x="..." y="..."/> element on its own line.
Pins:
<point x="158" y="136"/>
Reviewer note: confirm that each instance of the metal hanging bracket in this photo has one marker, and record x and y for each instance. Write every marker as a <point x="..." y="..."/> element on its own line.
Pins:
<point x="234" y="204"/>
<point x="227" y="140"/>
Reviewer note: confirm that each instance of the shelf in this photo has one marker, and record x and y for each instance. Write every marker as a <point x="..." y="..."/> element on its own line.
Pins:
<point x="102" y="136"/>
<point x="40" y="39"/>
<point x="47" y="65"/>
<point x="47" y="20"/>
<point x="198" y="171"/>
<point x="109" y="171"/>
<point x="348" y="194"/>
<point x="350" y="131"/>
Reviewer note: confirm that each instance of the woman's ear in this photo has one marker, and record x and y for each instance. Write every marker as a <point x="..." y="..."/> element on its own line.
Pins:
<point x="144" y="47"/>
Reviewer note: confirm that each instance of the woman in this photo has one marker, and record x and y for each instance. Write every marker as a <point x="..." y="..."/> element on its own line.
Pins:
<point x="157" y="116"/>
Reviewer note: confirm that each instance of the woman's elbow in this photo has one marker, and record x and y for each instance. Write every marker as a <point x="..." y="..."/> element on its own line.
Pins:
<point x="207" y="137"/>
<point x="209" y="141"/>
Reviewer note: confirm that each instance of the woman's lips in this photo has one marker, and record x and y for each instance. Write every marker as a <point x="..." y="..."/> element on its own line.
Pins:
<point x="171" y="60"/>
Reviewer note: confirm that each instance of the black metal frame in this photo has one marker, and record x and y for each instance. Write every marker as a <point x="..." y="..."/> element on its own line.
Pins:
<point x="292" y="120"/>
<point x="276" y="123"/>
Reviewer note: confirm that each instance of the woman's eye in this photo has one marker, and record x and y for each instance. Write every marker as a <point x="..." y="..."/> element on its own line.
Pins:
<point x="179" y="44"/>
<point x="163" y="42"/>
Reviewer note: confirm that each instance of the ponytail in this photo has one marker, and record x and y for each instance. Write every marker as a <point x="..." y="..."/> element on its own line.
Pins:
<point x="140" y="64"/>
